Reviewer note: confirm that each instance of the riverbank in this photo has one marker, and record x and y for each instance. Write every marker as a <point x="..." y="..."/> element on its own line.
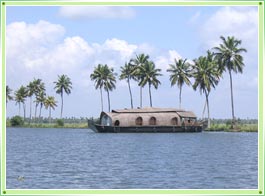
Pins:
<point x="237" y="128"/>
<point x="214" y="128"/>
<point x="54" y="125"/>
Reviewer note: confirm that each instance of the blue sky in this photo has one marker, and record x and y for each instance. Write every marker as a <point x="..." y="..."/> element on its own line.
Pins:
<point x="44" y="42"/>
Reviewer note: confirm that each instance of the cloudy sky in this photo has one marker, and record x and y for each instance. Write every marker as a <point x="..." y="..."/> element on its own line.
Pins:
<point x="44" y="42"/>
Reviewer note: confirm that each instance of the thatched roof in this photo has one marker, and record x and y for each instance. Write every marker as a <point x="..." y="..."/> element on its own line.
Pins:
<point x="147" y="110"/>
<point x="162" y="116"/>
<point x="186" y="114"/>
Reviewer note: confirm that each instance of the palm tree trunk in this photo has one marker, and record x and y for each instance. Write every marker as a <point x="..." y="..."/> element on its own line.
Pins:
<point x="141" y="103"/>
<point x="108" y="99"/>
<point x="24" y="109"/>
<point x="180" y="89"/>
<point x="204" y="107"/>
<point x="40" y="112"/>
<point x="150" y="95"/>
<point x="36" y="112"/>
<point x="62" y="104"/>
<point x="232" y="99"/>
<point x="208" y="110"/>
<point x="101" y="98"/>
<point x="50" y="115"/>
<point x="130" y="93"/>
<point x="30" y="109"/>
<point x="19" y="109"/>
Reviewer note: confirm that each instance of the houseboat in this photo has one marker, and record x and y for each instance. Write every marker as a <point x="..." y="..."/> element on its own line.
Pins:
<point x="163" y="120"/>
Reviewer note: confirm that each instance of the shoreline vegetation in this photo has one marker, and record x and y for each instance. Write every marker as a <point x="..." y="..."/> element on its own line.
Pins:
<point x="218" y="125"/>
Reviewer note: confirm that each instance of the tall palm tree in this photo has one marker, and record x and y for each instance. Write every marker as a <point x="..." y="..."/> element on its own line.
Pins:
<point x="97" y="76"/>
<point x="34" y="88"/>
<point x="41" y="99"/>
<point x="51" y="104"/>
<point x="8" y="94"/>
<point x="20" y="97"/>
<point x="39" y="88"/>
<point x="139" y="61"/>
<point x="148" y="75"/>
<point x="127" y="74"/>
<point x="63" y="84"/>
<point x="31" y="90"/>
<point x="229" y="58"/>
<point x="179" y="74"/>
<point x="109" y="80"/>
<point x="206" y="75"/>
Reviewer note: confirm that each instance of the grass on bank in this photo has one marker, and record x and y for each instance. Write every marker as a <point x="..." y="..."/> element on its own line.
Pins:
<point x="238" y="128"/>
<point x="17" y="121"/>
<point x="52" y="125"/>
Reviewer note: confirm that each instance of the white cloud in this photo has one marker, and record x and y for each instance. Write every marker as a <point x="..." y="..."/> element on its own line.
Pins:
<point x="22" y="37"/>
<point x="241" y="22"/>
<point x="40" y="50"/>
<point x="96" y="12"/>
<point x="167" y="58"/>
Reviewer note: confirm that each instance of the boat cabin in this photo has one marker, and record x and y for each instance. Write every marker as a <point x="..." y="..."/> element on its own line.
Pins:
<point x="148" y="117"/>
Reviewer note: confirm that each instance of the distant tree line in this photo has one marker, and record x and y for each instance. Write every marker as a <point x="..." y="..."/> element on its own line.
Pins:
<point x="36" y="90"/>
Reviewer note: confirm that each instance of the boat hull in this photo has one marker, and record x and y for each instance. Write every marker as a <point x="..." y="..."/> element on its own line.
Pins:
<point x="144" y="129"/>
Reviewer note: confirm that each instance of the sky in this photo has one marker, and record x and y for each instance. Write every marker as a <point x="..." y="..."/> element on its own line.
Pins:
<point x="44" y="42"/>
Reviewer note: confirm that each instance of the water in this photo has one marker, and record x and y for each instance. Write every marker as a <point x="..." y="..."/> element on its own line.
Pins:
<point x="81" y="159"/>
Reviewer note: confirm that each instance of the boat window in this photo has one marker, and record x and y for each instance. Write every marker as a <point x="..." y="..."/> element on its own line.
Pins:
<point x="117" y="123"/>
<point x="152" y="121"/>
<point x="174" y="121"/>
<point x="106" y="120"/>
<point x="139" y="121"/>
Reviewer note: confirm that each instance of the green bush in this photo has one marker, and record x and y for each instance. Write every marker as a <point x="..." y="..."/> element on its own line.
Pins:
<point x="8" y="123"/>
<point x="16" y="121"/>
<point x="60" y="123"/>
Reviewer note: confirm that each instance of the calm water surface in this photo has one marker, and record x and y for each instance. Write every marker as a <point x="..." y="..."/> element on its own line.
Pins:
<point x="75" y="158"/>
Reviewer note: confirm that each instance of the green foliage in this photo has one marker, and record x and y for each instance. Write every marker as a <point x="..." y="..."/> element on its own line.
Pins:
<point x="60" y="122"/>
<point x="63" y="84"/>
<point x="104" y="77"/>
<point x="8" y="94"/>
<point x="228" y="122"/>
<point x="238" y="128"/>
<point x="16" y="121"/>
<point x="8" y="123"/>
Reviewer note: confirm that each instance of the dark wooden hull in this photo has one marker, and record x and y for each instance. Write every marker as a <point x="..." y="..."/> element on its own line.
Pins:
<point x="144" y="129"/>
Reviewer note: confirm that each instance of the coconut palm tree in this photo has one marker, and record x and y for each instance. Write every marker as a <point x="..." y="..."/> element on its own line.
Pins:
<point x="31" y="91"/>
<point x="51" y="104"/>
<point x="8" y="94"/>
<point x="20" y="97"/>
<point x="41" y="99"/>
<point x="179" y="74"/>
<point x="97" y="76"/>
<point x="229" y="58"/>
<point x="148" y="75"/>
<point x="109" y="80"/>
<point x="39" y="88"/>
<point x="206" y="75"/>
<point x="127" y="74"/>
<point x="139" y="61"/>
<point x="63" y="84"/>
<point x="34" y="88"/>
